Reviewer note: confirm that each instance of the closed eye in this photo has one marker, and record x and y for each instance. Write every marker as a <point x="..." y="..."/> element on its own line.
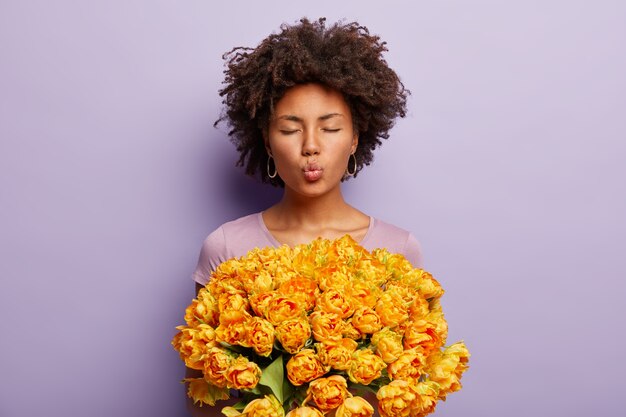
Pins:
<point x="332" y="130"/>
<point x="288" y="132"/>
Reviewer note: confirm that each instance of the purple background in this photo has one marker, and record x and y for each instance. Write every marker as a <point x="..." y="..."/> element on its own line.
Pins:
<point x="509" y="169"/>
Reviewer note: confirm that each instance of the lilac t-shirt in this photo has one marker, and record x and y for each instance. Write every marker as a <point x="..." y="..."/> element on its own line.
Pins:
<point x="237" y="237"/>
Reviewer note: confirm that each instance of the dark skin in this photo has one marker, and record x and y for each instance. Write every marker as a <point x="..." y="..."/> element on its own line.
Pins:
<point x="312" y="130"/>
<point x="311" y="139"/>
<point x="256" y="78"/>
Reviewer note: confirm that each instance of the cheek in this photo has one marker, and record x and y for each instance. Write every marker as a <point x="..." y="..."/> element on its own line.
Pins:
<point x="284" y="161"/>
<point x="282" y="155"/>
<point x="342" y="154"/>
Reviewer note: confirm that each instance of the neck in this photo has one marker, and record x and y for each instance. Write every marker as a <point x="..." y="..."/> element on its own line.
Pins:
<point x="301" y="210"/>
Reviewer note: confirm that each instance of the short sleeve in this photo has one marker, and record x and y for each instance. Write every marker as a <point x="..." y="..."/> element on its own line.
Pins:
<point x="413" y="252"/>
<point x="212" y="253"/>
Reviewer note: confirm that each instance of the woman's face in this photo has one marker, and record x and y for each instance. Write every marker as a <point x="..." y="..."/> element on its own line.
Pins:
<point x="311" y="137"/>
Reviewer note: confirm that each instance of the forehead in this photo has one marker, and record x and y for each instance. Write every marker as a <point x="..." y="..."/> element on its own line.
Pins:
<point x="311" y="100"/>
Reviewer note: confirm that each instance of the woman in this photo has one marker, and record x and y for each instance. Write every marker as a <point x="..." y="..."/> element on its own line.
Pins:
<point x="307" y="107"/>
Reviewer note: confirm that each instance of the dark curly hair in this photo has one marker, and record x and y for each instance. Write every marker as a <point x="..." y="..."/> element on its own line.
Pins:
<point x="344" y="57"/>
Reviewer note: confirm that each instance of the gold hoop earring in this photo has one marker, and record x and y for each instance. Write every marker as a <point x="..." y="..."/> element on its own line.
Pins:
<point x="348" y="173"/>
<point x="268" y="168"/>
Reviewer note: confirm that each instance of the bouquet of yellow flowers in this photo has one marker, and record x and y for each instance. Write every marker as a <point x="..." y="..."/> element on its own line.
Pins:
<point x="301" y="331"/>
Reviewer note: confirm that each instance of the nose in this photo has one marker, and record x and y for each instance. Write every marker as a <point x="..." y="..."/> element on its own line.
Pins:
<point x="310" y="145"/>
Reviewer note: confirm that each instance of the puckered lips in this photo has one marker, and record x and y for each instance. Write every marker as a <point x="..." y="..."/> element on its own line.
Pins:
<point x="312" y="171"/>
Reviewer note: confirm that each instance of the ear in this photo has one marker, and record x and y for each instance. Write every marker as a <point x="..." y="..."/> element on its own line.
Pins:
<point x="266" y="141"/>
<point x="355" y="143"/>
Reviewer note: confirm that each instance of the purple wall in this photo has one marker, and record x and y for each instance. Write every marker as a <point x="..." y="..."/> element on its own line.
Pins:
<point x="509" y="169"/>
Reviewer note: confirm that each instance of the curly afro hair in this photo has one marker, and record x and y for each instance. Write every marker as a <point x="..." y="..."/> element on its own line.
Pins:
<point x="344" y="57"/>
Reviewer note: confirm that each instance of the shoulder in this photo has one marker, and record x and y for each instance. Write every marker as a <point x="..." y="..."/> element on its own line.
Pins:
<point x="224" y="241"/>
<point x="241" y="226"/>
<point x="395" y="239"/>
<point x="232" y="239"/>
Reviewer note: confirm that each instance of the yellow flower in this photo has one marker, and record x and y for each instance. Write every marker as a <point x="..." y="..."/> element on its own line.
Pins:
<point x="426" y="400"/>
<point x="336" y="301"/>
<point x="419" y="308"/>
<point x="303" y="259"/>
<point x="203" y="309"/>
<point x="260" y="335"/>
<point x="355" y="407"/>
<point x="422" y="334"/>
<point x="192" y="343"/>
<point x="391" y="309"/>
<point x="366" y="321"/>
<point x="429" y="287"/>
<point x="293" y="334"/>
<point x="333" y="279"/>
<point x="232" y="328"/>
<point x="260" y="301"/>
<point x="328" y="393"/>
<point x="281" y="308"/>
<point x="216" y="363"/>
<point x="305" y="412"/>
<point x="263" y="281"/>
<point x="326" y="326"/>
<point x="222" y="283"/>
<point x="436" y="317"/>
<point x="411" y="278"/>
<point x="365" y="294"/>
<point x="447" y="367"/>
<point x="365" y="367"/>
<point x="369" y="269"/>
<point x="406" y="293"/>
<point x="334" y="294"/>
<point x="395" y="264"/>
<point x="408" y="367"/>
<point x="396" y="399"/>
<point x="243" y="374"/>
<point x="233" y="300"/>
<point x="305" y="366"/>
<point x="204" y="393"/>
<point x="303" y="290"/>
<point x="388" y="344"/>
<point x="268" y="406"/>
<point x="337" y="355"/>
<point x="349" y="331"/>
<point x="346" y="248"/>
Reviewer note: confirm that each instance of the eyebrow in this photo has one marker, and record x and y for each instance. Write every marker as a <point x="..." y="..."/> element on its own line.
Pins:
<point x="294" y="118"/>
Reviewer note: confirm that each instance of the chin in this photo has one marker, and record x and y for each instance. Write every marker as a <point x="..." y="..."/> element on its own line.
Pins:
<point x="315" y="191"/>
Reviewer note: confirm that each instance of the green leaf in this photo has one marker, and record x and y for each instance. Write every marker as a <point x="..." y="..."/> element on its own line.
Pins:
<point x="273" y="377"/>
<point x="364" y="388"/>
<point x="288" y="389"/>
<point x="255" y="391"/>
<point x="240" y="405"/>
